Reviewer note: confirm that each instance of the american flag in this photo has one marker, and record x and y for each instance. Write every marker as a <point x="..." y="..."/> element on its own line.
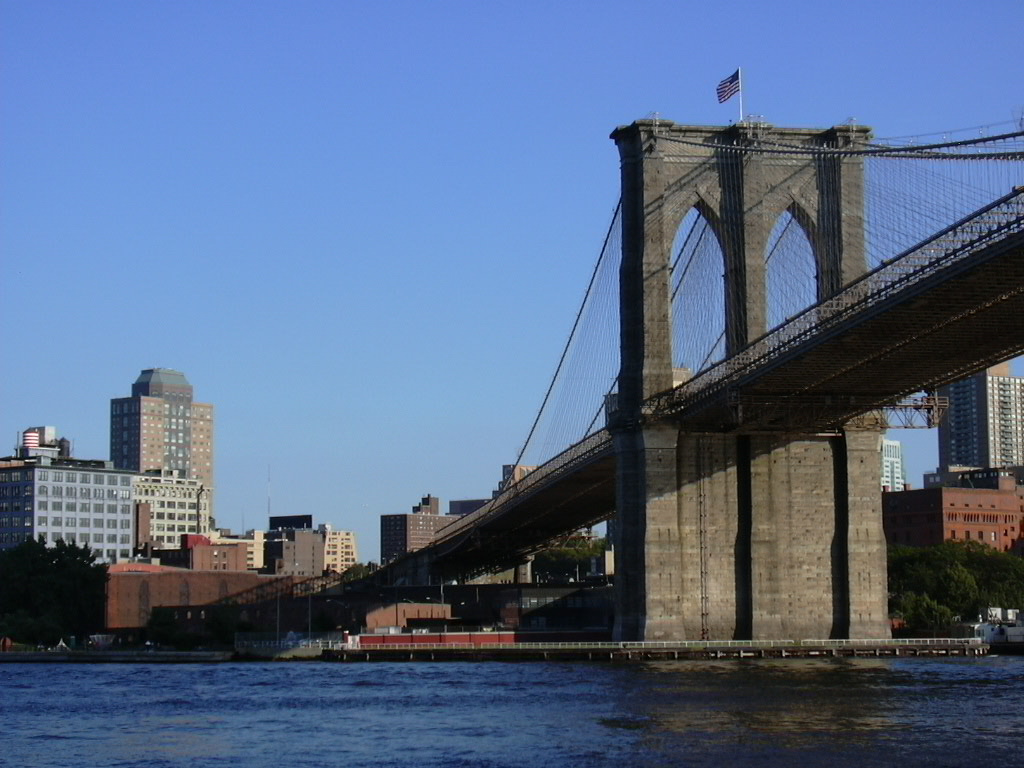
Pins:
<point x="728" y="87"/>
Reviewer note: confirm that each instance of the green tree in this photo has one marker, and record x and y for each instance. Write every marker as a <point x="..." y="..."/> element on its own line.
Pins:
<point x="356" y="572"/>
<point x="962" y="577"/>
<point x="923" y="614"/>
<point x="567" y="562"/>
<point x="959" y="590"/>
<point x="51" y="592"/>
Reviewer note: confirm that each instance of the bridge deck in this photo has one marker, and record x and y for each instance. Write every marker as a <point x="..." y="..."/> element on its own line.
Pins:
<point x="954" y="322"/>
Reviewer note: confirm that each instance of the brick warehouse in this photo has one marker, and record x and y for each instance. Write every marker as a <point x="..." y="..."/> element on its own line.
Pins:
<point x="929" y="516"/>
<point x="134" y="590"/>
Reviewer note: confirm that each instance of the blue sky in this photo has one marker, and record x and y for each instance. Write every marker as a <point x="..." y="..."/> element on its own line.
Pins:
<point x="362" y="230"/>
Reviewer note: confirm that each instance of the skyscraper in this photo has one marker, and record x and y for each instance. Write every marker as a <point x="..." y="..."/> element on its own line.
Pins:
<point x="984" y="426"/>
<point x="893" y="475"/>
<point x="160" y="428"/>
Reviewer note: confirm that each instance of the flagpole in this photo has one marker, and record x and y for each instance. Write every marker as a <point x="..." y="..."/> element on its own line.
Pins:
<point x="739" y="81"/>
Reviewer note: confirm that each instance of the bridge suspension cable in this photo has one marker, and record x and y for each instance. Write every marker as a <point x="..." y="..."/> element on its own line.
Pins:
<point x="910" y="191"/>
<point x="588" y="364"/>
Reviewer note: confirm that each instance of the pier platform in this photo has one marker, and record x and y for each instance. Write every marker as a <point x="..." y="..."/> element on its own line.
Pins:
<point x="627" y="652"/>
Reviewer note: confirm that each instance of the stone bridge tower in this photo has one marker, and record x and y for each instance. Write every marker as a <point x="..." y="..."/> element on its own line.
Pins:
<point x="733" y="535"/>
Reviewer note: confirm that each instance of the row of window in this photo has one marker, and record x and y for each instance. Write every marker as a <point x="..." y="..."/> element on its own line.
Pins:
<point x="72" y="492"/>
<point x="166" y="492"/>
<point x="85" y="538"/>
<point x="81" y="477"/>
<point x="83" y="522"/>
<point x="993" y="536"/>
<point x="174" y="516"/>
<point x="75" y="506"/>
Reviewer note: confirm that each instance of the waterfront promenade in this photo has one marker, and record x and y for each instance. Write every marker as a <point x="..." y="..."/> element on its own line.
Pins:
<point x="486" y="646"/>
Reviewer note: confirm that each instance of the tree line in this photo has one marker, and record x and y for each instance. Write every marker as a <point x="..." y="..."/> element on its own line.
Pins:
<point x="50" y="593"/>
<point x="931" y="588"/>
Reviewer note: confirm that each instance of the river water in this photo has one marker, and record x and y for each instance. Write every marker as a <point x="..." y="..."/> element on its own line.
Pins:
<point x="836" y="713"/>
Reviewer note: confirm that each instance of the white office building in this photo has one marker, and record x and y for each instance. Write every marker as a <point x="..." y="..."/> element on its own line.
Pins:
<point x="894" y="476"/>
<point x="44" y="494"/>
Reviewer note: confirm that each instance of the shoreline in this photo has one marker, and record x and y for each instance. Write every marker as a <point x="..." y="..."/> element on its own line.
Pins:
<point x="528" y="652"/>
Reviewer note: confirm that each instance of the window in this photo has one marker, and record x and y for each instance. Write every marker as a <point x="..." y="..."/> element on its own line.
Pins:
<point x="83" y="522"/>
<point x="56" y="521"/>
<point x="41" y="522"/>
<point x="97" y="522"/>
<point x="111" y="523"/>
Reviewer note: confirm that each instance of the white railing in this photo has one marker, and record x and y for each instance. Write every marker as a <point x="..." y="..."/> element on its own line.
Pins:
<point x="678" y="645"/>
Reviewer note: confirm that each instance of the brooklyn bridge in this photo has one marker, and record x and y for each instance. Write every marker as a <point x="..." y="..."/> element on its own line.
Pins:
<point x="766" y="303"/>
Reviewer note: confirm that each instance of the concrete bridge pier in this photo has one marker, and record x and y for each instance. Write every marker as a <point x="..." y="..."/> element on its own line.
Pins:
<point x="649" y="589"/>
<point x="817" y="553"/>
<point x="755" y="537"/>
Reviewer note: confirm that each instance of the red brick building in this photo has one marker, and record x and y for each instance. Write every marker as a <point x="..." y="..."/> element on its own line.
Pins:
<point x="198" y="553"/>
<point x="135" y="589"/>
<point x="927" y="516"/>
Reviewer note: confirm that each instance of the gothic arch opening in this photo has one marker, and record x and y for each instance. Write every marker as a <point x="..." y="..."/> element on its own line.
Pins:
<point x="791" y="279"/>
<point x="698" y="294"/>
